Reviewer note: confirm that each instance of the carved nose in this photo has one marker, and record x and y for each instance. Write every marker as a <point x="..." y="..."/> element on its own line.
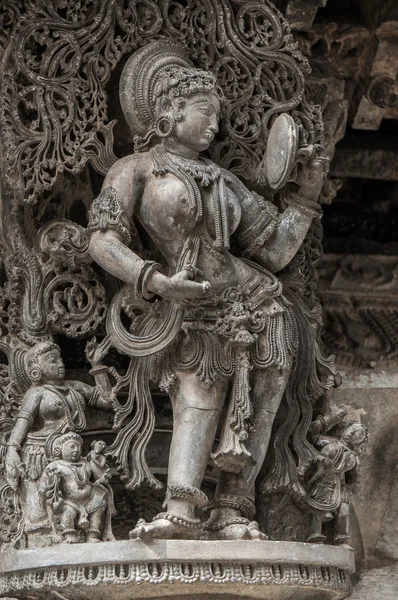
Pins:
<point x="213" y="124"/>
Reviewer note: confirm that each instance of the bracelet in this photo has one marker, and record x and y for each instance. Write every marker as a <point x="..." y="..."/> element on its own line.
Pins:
<point x="14" y="445"/>
<point x="25" y="415"/>
<point x="308" y="206"/>
<point x="98" y="369"/>
<point x="148" y="268"/>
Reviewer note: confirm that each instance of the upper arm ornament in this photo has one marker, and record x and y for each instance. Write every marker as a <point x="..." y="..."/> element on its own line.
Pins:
<point x="258" y="226"/>
<point x="106" y="212"/>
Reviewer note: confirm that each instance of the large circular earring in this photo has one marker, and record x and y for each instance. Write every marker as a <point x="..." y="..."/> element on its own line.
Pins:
<point x="165" y="126"/>
<point x="35" y="375"/>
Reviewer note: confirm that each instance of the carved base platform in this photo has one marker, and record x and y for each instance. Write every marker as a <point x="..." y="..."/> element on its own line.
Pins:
<point x="174" y="569"/>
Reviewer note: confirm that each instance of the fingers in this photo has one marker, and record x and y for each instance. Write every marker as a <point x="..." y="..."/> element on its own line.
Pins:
<point x="195" y="289"/>
<point x="189" y="273"/>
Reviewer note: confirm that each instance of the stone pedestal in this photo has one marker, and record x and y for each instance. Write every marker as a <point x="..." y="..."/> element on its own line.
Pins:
<point x="179" y="569"/>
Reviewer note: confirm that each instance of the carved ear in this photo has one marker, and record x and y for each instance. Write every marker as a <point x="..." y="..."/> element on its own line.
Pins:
<point x="165" y="104"/>
<point x="35" y="374"/>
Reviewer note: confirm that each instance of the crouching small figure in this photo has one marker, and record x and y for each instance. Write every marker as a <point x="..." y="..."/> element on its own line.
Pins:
<point x="78" y="490"/>
<point x="336" y="477"/>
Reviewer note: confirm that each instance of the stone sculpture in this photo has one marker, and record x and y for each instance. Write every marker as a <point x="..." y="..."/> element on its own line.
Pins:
<point x="224" y="319"/>
<point x="78" y="488"/>
<point x="215" y="302"/>
<point x="52" y="405"/>
<point x="336" y="476"/>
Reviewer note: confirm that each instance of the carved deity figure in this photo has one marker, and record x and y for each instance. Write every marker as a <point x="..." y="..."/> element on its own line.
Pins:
<point x="223" y="326"/>
<point x="52" y="405"/>
<point x="336" y="478"/>
<point x="78" y="489"/>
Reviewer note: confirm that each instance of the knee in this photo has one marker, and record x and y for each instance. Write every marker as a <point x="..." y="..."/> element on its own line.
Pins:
<point x="195" y="411"/>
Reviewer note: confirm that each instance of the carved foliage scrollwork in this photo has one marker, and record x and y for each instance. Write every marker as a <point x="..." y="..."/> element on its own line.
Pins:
<point x="54" y="109"/>
<point x="52" y="289"/>
<point x="359" y="296"/>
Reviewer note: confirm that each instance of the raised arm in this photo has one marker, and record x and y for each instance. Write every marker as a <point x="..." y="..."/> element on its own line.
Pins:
<point x="272" y="238"/>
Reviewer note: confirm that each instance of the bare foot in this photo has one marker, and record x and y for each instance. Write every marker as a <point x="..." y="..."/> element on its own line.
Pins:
<point x="70" y="538"/>
<point x="163" y="529"/>
<point x="235" y="531"/>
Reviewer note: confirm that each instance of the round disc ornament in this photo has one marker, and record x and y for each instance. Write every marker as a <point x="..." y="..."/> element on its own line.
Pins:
<point x="281" y="150"/>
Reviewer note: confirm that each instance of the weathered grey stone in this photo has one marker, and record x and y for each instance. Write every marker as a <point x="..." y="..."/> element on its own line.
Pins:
<point x="180" y="569"/>
<point x="380" y="584"/>
<point x="372" y="396"/>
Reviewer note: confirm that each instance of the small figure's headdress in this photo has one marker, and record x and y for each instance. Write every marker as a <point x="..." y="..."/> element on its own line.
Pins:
<point x="31" y="366"/>
<point x="55" y="442"/>
<point x="157" y="70"/>
<point x="353" y="428"/>
<point x="40" y="348"/>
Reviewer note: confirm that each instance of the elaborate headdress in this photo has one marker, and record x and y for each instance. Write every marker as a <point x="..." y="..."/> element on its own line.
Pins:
<point x="40" y="348"/>
<point x="351" y="429"/>
<point x="31" y="357"/>
<point x="55" y="442"/>
<point x="157" y="70"/>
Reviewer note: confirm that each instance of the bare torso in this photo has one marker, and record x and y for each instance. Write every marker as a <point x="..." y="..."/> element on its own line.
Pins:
<point x="164" y="212"/>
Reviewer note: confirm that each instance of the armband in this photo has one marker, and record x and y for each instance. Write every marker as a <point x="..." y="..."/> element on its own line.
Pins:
<point x="106" y="212"/>
<point x="262" y="227"/>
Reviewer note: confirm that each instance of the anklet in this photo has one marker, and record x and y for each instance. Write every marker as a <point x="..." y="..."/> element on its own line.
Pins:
<point x="186" y="492"/>
<point x="240" y="503"/>
<point x="218" y="525"/>
<point x="177" y="520"/>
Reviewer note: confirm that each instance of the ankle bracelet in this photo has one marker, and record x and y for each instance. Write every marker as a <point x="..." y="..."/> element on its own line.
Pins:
<point x="177" y="520"/>
<point x="240" y="503"/>
<point x="218" y="525"/>
<point x="186" y="492"/>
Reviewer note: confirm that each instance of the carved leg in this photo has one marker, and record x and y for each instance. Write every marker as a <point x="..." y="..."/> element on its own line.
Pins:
<point x="342" y="524"/>
<point x="96" y="520"/>
<point x="230" y="513"/>
<point x="315" y="535"/>
<point x="196" y="412"/>
<point x="67" y="520"/>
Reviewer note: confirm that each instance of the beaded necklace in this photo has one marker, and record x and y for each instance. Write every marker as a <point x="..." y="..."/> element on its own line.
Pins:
<point x="194" y="174"/>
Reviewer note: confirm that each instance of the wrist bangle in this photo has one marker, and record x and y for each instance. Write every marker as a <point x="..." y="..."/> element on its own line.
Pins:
<point x="98" y="369"/>
<point x="308" y="206"/>
<point x="148" y="268"/>
<point x="14" y="445"/>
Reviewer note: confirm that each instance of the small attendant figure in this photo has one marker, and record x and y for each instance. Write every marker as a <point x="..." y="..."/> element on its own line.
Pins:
<point x="78" y="489"/>
<point x="51" y="406"/>
<point x="335" y="480"/>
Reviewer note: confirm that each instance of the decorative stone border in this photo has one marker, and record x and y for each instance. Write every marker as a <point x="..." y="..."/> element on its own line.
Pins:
<point x="168" y="567"/>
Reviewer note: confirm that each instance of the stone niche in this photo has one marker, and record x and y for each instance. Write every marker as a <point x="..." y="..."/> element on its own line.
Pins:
<point x="169" y="426"/>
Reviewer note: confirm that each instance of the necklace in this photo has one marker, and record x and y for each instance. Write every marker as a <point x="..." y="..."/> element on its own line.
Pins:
<point x="192" y="172"/>
<point x="205" y="173"/>
<point x="80" y="478"/>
